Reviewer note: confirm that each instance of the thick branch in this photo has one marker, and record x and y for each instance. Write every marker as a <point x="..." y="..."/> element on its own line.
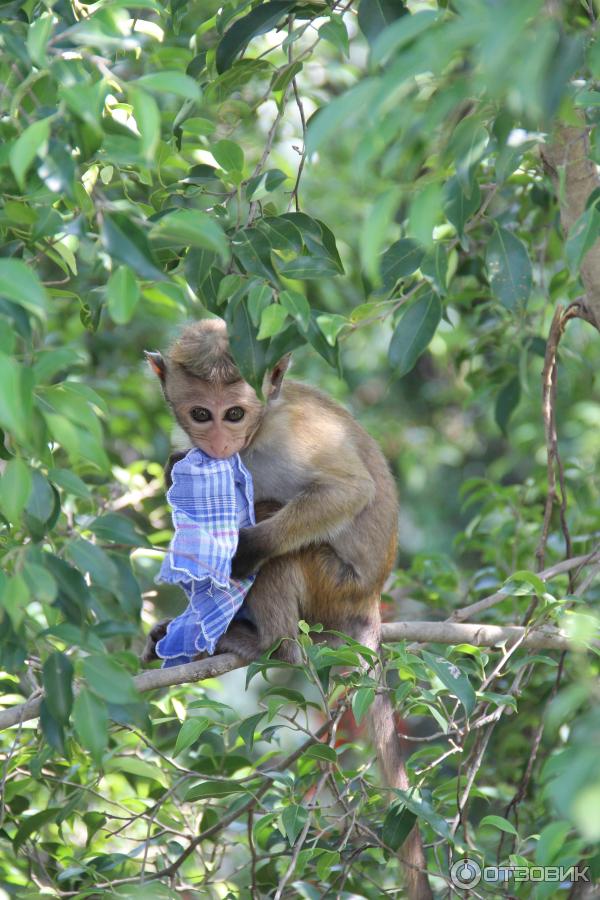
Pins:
<point x="575" y="176"/>
<point x="422" y="632"/>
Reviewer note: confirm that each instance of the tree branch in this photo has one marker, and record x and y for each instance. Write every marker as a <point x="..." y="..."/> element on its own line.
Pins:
<point x="447" y="632"/>
<point x="567" y="565"/>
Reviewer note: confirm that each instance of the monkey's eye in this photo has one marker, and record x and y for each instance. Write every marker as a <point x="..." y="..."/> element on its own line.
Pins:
<point x="234" y="414"/>
<point x="200" y="414"/>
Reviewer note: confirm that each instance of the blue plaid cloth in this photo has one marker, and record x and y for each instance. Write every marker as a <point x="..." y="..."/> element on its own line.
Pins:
<point x="211" y="500"/>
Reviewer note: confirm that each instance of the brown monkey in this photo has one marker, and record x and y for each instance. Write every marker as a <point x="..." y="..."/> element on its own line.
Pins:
<point x="325" y="538"/>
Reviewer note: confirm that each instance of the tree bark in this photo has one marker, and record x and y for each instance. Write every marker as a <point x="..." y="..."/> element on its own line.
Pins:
<point x="575" y="176"/>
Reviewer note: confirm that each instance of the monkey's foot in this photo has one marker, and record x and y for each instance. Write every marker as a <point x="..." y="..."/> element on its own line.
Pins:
<point x="149" y="654"/>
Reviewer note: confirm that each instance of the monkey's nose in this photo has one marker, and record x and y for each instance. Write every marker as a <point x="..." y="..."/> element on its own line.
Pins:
<point x="220" y="452"/>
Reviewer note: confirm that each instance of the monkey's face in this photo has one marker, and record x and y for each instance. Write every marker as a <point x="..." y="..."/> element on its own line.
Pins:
<point x="220" y="419"/>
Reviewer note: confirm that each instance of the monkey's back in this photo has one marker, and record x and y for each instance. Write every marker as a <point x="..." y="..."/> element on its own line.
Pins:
<point x="306" y="438"/>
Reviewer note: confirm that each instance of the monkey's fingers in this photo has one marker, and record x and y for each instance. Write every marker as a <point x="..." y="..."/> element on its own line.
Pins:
<point x="149" y="654"/>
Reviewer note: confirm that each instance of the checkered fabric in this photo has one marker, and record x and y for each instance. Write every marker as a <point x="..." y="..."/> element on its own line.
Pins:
<point x="211" y="500"/>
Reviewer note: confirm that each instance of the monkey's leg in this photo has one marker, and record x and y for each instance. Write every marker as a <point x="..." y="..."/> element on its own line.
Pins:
<point x="274" y="603"/>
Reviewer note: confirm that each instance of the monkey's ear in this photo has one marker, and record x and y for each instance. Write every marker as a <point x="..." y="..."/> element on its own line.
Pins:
<point x="276" y="376"/>
<point x="157" y="363"/>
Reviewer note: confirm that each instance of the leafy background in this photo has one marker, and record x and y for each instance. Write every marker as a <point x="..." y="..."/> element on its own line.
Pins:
<point x="360" y="182"/>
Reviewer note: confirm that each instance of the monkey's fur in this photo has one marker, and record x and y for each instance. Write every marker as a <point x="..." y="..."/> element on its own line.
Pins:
<point x="326" y="532"/>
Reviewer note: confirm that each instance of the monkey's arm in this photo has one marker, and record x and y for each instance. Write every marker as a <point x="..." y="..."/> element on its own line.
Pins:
<point x="173" y="458"/>
<point x="315" y="515"/>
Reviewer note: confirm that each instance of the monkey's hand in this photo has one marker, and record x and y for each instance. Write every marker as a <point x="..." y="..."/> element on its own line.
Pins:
<point x="252" y="551"/>
<point x="149" y="654"/>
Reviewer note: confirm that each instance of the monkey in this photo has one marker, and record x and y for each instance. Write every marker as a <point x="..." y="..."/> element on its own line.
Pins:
<point x="325" y="536"/>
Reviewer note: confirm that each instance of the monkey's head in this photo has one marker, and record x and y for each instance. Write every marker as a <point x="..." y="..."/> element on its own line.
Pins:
<point x="219" y="411"/>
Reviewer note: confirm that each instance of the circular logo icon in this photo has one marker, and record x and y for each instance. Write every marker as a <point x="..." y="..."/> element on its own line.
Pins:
<point x="465" y="873"/>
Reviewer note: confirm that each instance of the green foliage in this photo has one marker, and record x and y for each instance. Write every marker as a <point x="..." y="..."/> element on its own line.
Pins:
<point x="361" y="185"/>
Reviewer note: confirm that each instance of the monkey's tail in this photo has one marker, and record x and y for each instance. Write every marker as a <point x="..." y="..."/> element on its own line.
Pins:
<point x="389" y="753"/>
<point x="391" y="760"/>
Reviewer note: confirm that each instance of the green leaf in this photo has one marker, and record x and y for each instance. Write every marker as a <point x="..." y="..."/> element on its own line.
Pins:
<point x="90" y="719"/>
<point x="293" y="819"/>
<point x="259" y="297"/>
<point x="397" y="825"/>
<point x="375" y="15"/>
<point x="15" y="487"/>
<point x="400" y="33"/>
<point x="322" y="752"/>
<point x="58" y="686"/>
<point x="229" y="155"/>
<point x="338" y="113"/>
<point x="21" y="284"/>
<point x="424" y="810"/>
<point x="399" y="261"/>
<point x="132" y="765"/>
<point x="326" y="861"/>
<point x="317" y="340"/>
<point x="31" y="824"/>
<point x="70" y="483"/>
<point x="215" y="789"/>
<point x="501" y="823"/>
<point x="425" y="213"/>
<point x="170" y="82"/>
<point x="272" y="321"/>
<point x="336" y="33"/>
<point x="247" y="352"/>
<point x="506" y="403"/>
<point x="117" y="528"/>
<point x="43" y="505"/>
<point x="583" y="234"/>
<point x="259" y="21"/>
<point x="458" y="207"/>
<point x="434" y="267"/>
<point x="122" y="293"/>
<point x="509" y="269"/>
<point x="37" y="38"/>
<point x="13" y="409"/>
<point x="453" y="679"/>
<point x="253" y="250"/>
<point x="26" y="148"/>
<point x="262" y="184"/>
<point x="361" y="702"/>
<point x="128" y="244"/>
<point x="147" y="118"/>
<point x="192" y="228"/>
<point x="375" y="229"/>
<point x="305" y="268"/>
<point x="189" y="733"/>
<point x="86" y="102"/>
<point x="297" y="306"/>
<point x="331" y="325"/>
<point x="109" y="680"/>
<point x="92" y="560"/>
<point x="247" y="729"/>
<point x="414" y="332"/>
<point x="534" y="583"/>
<point x="551" y="841"/>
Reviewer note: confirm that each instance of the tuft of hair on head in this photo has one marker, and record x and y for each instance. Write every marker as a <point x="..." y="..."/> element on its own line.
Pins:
<point x="202" y="349"/>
